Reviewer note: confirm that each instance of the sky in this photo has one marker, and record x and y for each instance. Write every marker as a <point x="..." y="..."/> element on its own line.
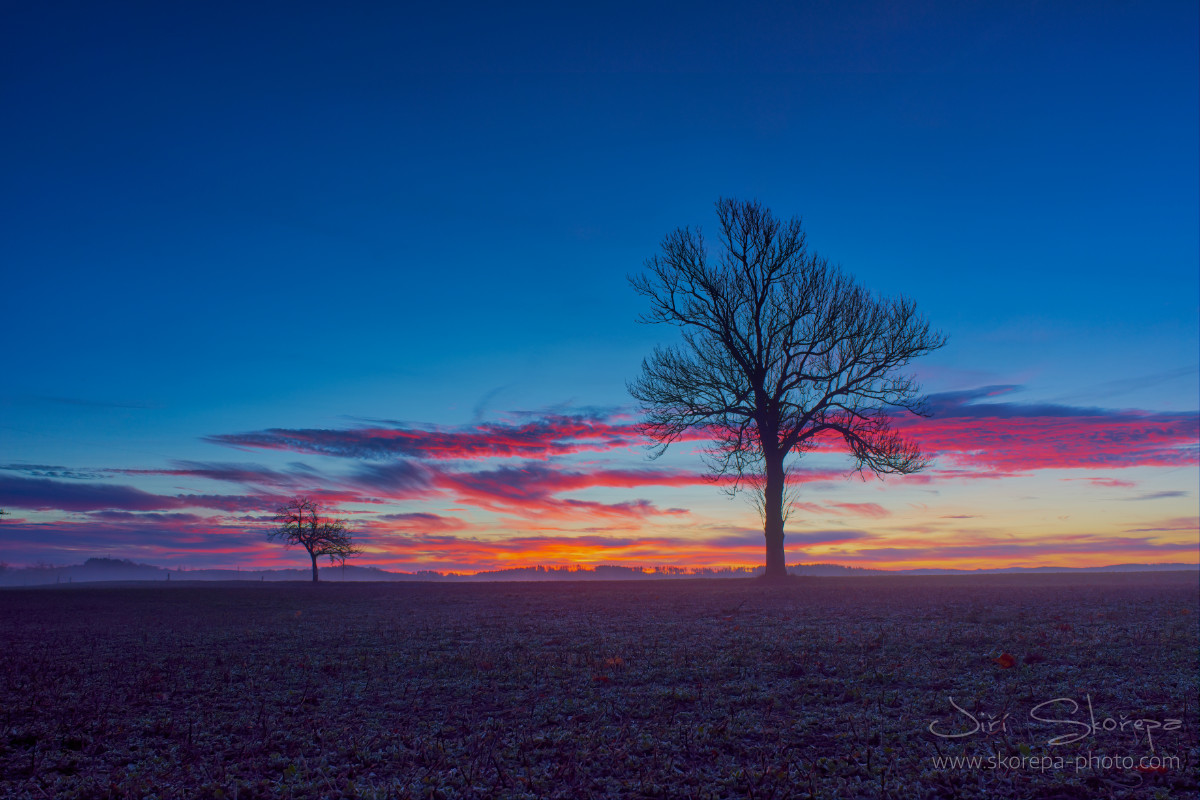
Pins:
<point x="379" y="255"/>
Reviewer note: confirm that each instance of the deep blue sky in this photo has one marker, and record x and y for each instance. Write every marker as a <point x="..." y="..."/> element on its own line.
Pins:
<point x="230" y="217"/>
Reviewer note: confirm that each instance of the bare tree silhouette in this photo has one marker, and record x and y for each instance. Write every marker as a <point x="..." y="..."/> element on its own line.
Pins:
<point x="779" y="349"/>
<point x="301" y="522"/>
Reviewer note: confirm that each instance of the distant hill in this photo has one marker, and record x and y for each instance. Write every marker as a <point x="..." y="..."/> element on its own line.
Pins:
<point x="115" y="569"/>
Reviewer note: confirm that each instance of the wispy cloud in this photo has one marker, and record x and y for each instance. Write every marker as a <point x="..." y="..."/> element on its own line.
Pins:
<point x="148" y="516"/>
<point x="861" y="509"/>
<point x="1157" y="495"/>
<point x="991" y="439"/>
<point x="533" y="489"/>
<point x="417" y="522"/>
<point x="550" y="435"/>
<point x="245" y="474"/>
<point x="972" y="433"/>
<point x="1138" y="384"/>
<point x="157" y="539"/>
<point x="1190" y="524"/>
<point x="1111" y="483"/>
<point x="46" y="494"/>
<point x="49" y="494"/>
<point x="51" y="471"/>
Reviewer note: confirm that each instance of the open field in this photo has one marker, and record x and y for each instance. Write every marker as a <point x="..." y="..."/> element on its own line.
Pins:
<point x="825" y="687"/>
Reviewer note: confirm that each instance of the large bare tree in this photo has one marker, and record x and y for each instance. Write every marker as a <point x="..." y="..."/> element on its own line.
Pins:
<point x="302" y="522"/>
<point x="780" y="350"/>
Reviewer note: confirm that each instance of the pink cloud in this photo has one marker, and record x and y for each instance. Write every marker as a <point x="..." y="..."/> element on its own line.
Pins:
<point x="533" y="489"/>
<point x="1004" y="439"/>
<point x="971" y="434"/>
<point x="873" y="510"/>
<point x="862" y="509"/>
<point x="1110" y="483"/>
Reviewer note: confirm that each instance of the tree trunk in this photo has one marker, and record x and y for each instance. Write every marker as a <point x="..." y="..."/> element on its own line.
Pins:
<point x="314" y="559"/>
<point x="773" y="517"/>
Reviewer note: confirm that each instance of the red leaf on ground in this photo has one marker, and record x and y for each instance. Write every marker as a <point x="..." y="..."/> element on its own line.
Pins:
<point x="1006" y="660"/>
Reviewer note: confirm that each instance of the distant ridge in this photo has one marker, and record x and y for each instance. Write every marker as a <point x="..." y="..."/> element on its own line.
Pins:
<point x="114" y="569"/>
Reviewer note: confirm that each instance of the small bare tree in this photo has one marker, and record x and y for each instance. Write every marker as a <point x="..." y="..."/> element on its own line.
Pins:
<point x="301" y="522"/>
<point x="779" y="349"/>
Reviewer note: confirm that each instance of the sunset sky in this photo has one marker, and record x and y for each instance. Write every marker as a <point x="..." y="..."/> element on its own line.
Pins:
<point x="379" y="256"/>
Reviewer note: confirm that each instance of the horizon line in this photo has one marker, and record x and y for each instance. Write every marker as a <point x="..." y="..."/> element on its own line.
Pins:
<point x="648" y="571"/>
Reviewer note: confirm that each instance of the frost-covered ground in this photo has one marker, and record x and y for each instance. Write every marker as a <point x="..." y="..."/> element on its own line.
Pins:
<point x="826" y="687"/>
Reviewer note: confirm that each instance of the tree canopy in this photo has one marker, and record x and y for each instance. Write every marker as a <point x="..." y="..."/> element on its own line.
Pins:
<point x="779" y="350"/>
<point x="302" y="521"/>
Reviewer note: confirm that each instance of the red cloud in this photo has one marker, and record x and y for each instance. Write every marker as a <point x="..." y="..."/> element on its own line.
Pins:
<point x="1003" y="439"/>
<point x="968" y="430"/>
<point x="532" y="489"/>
